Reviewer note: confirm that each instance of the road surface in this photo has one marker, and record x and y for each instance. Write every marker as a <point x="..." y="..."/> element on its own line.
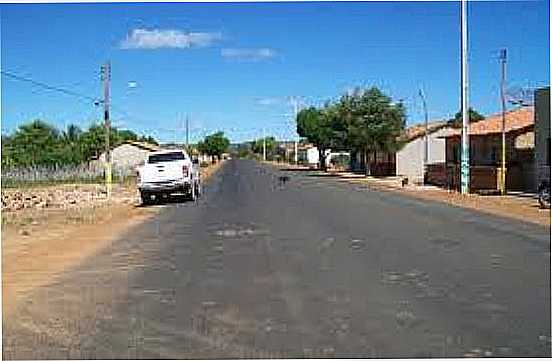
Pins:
<point x="312" y="267"/>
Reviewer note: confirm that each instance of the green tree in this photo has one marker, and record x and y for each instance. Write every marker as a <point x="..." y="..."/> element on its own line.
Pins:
<point x="92" y="142"/>
<point x="372" y="122"/>
<point x="7" y="159"/>
<point x="244" y="150"/>
<point x="319" y="127"/>
<point x="72" y="134"/>
<point x="149" y="139"/>
<point x="257" y="146"/>
<point x="473" y="116"/>
<point x="125" y="134"/>
<point x="39" y="143"/>
<point x="35" y="143"/>
<point x="214" y="145"/>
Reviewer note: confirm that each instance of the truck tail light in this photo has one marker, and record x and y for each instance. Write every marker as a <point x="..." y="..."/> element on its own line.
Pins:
<point x="185" y="170"/>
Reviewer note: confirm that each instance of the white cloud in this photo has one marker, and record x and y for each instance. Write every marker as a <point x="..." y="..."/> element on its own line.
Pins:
<point x="169" y="38"/>
<point x="252" y="54"/>
<point x="268" y="101"/>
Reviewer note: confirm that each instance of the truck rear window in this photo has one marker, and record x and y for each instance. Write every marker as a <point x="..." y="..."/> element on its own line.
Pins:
<point x="166" y="157"/>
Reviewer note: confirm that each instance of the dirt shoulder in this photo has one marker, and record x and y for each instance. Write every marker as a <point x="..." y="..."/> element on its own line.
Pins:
<point x="510" y="206"/>
<point x="39" y="243"/>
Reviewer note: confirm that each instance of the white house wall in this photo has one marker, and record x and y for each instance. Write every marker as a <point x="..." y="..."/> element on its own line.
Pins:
<point x="126" y="156"/>
<point x="312" y="155"/>
<point x="410" y="159"/>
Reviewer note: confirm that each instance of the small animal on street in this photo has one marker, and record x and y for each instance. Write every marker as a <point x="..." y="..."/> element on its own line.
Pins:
<point x="283" y="179"/>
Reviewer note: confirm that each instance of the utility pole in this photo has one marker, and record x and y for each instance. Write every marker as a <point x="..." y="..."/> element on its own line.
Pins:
<point x="264" y="145"/>
<point x="426" y="143"/>
<point x="106" y="77"/>
<point x="295" y="106"/>
<point x="503" y="100"/>
<point x="465" y="156"/>
<point x="187" y="133"/>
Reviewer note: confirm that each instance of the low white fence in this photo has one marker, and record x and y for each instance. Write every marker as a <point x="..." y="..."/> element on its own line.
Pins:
<point x="61" y="173"/>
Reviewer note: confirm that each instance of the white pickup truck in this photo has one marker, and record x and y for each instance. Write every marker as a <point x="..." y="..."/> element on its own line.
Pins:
<point x="168" y="172"/>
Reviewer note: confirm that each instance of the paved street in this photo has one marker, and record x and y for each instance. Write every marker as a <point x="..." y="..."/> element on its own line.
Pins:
<point x="311" y="267"/>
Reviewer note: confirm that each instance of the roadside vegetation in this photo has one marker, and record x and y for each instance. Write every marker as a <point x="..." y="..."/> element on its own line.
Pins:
<point x="39" y="153"/>
<point x="364" y="121"/>
<point x="214" y="145"/>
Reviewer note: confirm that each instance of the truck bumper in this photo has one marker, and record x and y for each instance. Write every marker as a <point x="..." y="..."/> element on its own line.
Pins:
<point x="166" y="187"/>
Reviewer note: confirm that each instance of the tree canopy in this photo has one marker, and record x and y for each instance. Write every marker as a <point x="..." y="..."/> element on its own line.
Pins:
<point x="214" y="144"/>
<point x="257" y="146"/>
<point x="473" y="116"/>
<point x="372" y="120"/>
<point x="39" y="143"/>
<point x="318" y="127"/>
<point x="364" y="120"/>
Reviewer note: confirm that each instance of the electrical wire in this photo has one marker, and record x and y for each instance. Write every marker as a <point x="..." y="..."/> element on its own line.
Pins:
<point x="47" y="86"/>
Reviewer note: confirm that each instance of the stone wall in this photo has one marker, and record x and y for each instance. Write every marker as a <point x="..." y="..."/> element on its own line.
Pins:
<point x="63" y="197"/>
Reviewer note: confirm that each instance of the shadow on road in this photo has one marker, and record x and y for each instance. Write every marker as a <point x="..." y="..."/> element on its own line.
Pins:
<point x="173" y="199"/>
<point x="299" y="169"/>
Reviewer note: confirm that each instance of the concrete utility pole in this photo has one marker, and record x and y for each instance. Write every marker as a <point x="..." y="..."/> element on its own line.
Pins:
<point x="465" y="156"/>
<point x="503" y="100"/>
<point x="294" y="101"/>
<point x="426" y="143"/>
<point x="106" y="77"/>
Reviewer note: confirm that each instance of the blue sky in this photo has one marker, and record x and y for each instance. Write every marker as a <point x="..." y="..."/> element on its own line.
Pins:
<point x="234" y="66"/>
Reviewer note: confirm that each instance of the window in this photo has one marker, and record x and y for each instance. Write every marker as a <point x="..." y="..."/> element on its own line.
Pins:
<point x="166" y="157"/>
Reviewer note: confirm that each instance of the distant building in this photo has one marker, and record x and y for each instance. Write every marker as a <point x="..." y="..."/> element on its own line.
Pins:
<point x="485" y="152"/>
<point x="542" y="134"/>
<point x="128" y="155"/>
<point x="307" y="154"/>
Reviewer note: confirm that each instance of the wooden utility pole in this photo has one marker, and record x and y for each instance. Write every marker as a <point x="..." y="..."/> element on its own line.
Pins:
<point x="503" y="100"/>
<point x="187" y="133"/>
<point x="106" y="77"/>
<point x="264" y="145"/>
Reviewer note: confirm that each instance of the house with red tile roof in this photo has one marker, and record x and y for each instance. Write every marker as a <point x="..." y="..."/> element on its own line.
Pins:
<point x="485" y="152"/>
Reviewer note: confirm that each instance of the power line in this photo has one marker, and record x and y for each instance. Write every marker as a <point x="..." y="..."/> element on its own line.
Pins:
<point x="46" y="86"/>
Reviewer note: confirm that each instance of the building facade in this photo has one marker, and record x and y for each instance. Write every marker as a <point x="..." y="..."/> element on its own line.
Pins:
<point x="542" y="135"/>
<point x="486" y="152"/>
<point x="410" y="162"/>
<point x="130" y="154"/>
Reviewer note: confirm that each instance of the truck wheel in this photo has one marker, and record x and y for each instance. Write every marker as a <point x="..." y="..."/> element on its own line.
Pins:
<point x="146" y="198"/>
<point x="192" y="195"/>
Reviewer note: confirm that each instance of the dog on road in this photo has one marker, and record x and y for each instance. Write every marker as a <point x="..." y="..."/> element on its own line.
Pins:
<point x="283" y="179"/>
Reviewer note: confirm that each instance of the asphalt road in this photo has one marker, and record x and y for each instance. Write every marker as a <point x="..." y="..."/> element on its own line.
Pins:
<point x="310" y="268"/>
